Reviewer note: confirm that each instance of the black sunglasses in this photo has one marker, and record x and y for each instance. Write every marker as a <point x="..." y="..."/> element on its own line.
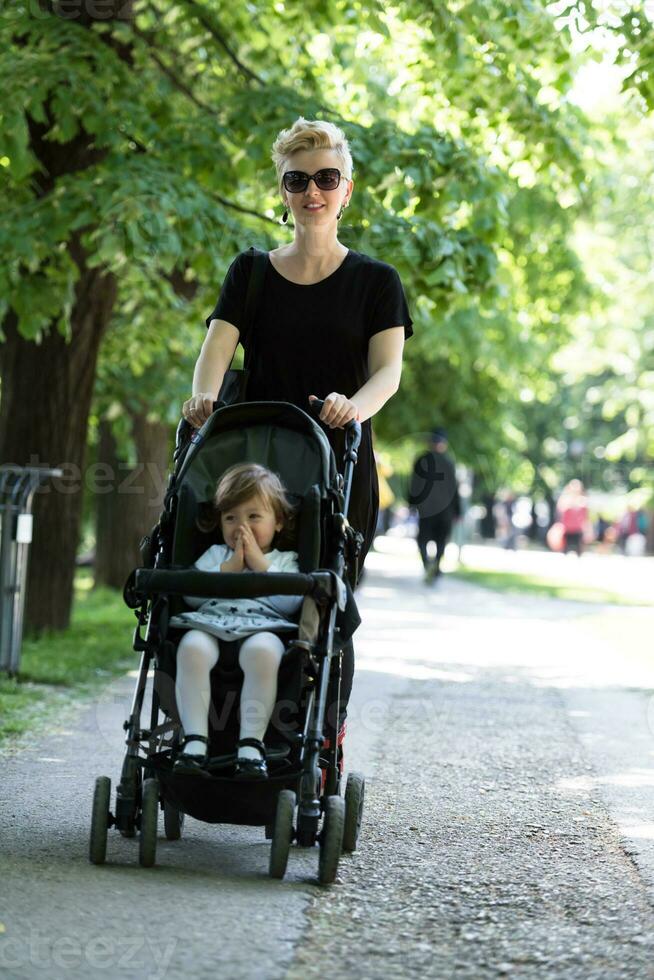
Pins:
<point x="295" y="181"/>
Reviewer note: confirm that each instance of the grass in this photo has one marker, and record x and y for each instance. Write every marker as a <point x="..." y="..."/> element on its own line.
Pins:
<point x="535" y="585"/>
<point x="56" y="667"/>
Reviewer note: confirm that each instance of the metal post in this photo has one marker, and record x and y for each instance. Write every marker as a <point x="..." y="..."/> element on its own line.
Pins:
<point x="19" y="492"/>
<point x="6" y="568"/>
<point x="17" y="487"/>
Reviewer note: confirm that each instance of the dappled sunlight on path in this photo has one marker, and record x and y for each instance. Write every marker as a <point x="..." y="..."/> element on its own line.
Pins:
<point x="595" y="659"/>
<point x="631" y="578"/>
<point x="452" y="628"/>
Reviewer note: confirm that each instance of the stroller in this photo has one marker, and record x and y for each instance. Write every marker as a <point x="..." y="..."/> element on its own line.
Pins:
<point x="302" y="798"/>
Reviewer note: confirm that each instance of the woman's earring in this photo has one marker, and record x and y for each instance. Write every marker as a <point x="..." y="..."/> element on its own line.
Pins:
<point x="340" y="213"/>
<point x="285" y="216"/>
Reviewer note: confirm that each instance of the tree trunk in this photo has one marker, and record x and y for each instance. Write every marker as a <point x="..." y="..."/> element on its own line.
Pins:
<point x="129" y="501"/>
<point x="46" y="397"/>
<point x="47" y="384"/>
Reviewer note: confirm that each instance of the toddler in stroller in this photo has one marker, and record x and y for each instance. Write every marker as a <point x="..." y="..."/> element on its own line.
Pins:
<point x="252" y="513"/>
<point x="289" y="757"/>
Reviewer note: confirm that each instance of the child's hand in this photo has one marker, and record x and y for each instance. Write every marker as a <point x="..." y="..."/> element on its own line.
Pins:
<point x="237" y="562"/>
<point x="254" y="557"/>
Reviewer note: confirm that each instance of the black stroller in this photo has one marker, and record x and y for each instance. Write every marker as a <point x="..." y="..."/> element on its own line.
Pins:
<point x="301" y="799"/>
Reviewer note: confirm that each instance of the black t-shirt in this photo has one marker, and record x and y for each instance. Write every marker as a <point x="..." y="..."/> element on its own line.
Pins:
<point x="312" y="340"/>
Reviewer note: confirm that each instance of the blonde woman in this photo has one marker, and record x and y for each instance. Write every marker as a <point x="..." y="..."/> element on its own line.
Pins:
<point x="330" y="322"/>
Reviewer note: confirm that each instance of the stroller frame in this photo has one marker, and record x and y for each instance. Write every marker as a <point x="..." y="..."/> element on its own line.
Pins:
<point x="147" y="782"/>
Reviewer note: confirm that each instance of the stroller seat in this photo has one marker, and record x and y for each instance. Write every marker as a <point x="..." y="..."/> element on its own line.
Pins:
<point x="189" y="542"/>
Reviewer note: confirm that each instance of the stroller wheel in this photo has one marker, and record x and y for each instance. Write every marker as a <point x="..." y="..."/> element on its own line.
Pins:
<point x="173" y="821"/>
<point x="354" y="794"/>
<point x="282" y="833"/>
<point x="127" y="796"/>
<point x="100" y="820"/>
<point x="331" y="839"/>
<point x="149" y="815"/>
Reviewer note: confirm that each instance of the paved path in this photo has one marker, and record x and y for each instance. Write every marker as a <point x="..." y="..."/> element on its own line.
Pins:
<point x="510" y="824"/>
<point x="509" y="827"/>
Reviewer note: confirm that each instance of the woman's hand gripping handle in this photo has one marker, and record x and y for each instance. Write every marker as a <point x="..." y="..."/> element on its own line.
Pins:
<point x="336" y="411"/>
<point x="352" y="429"/>
<point x="197" y="409"/>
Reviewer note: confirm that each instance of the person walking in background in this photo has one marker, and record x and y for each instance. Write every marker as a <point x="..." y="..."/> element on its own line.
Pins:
<point x="433" y="491"/>
<point x="509" y="531"/>
<point x="572" y="512"/>
<point x="386" y="495"/>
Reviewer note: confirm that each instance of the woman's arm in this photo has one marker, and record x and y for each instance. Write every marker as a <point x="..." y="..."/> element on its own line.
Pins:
<point x="385" y="369"/>
<point x="215" y="357"/>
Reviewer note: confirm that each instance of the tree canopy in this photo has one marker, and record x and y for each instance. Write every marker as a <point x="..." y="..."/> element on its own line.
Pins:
<point x="468" y="163"/>
<point x="137" y="135"/>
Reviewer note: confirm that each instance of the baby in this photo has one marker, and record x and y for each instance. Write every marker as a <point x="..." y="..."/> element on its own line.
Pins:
<point x="253" y="512"/>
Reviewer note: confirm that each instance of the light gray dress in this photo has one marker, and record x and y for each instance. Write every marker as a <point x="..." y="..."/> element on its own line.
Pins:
<point x="234" y="619"/>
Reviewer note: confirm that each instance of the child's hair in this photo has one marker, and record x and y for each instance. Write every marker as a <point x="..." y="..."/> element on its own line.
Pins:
<point x="245" y="480"/>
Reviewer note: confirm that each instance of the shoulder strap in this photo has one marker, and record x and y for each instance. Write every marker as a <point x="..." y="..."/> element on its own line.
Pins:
<point x="257" y="275"/>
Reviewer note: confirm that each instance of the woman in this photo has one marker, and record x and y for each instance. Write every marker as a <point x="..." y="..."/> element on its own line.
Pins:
<point x="330" y="322"/>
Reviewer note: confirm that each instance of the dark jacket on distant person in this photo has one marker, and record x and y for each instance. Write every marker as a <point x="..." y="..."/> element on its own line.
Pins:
<point x="433" y="489"/>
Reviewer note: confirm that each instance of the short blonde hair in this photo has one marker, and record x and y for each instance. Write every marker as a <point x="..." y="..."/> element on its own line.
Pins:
<point x="311" y="134"/>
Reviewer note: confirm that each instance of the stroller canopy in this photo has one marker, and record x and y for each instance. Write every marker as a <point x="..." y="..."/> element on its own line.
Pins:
<point x="277" y="435"/>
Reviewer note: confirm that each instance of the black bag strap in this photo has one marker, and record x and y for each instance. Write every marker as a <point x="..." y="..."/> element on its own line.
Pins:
<point x="257" y="276"/>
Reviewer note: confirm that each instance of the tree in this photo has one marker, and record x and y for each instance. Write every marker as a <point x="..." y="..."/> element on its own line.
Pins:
<point x="136" y="146"/>
<point x="142" y="373"/>
<point x="71" y="166"/>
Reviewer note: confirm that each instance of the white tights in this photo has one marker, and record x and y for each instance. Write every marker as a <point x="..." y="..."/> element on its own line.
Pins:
<point x="259" y="659"/>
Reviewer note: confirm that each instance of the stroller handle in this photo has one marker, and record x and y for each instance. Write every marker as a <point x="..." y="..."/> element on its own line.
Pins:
<point x="316" y="408"/>
<point x="352" y="431"/>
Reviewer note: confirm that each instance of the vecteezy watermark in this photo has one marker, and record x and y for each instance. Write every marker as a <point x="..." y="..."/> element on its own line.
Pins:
<point x="101" y="952"/>
<point x="370" y="715"/>
<point x="86" y="10"/>
<point x="101" y="479"/>
<point x="490" y="470"/>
